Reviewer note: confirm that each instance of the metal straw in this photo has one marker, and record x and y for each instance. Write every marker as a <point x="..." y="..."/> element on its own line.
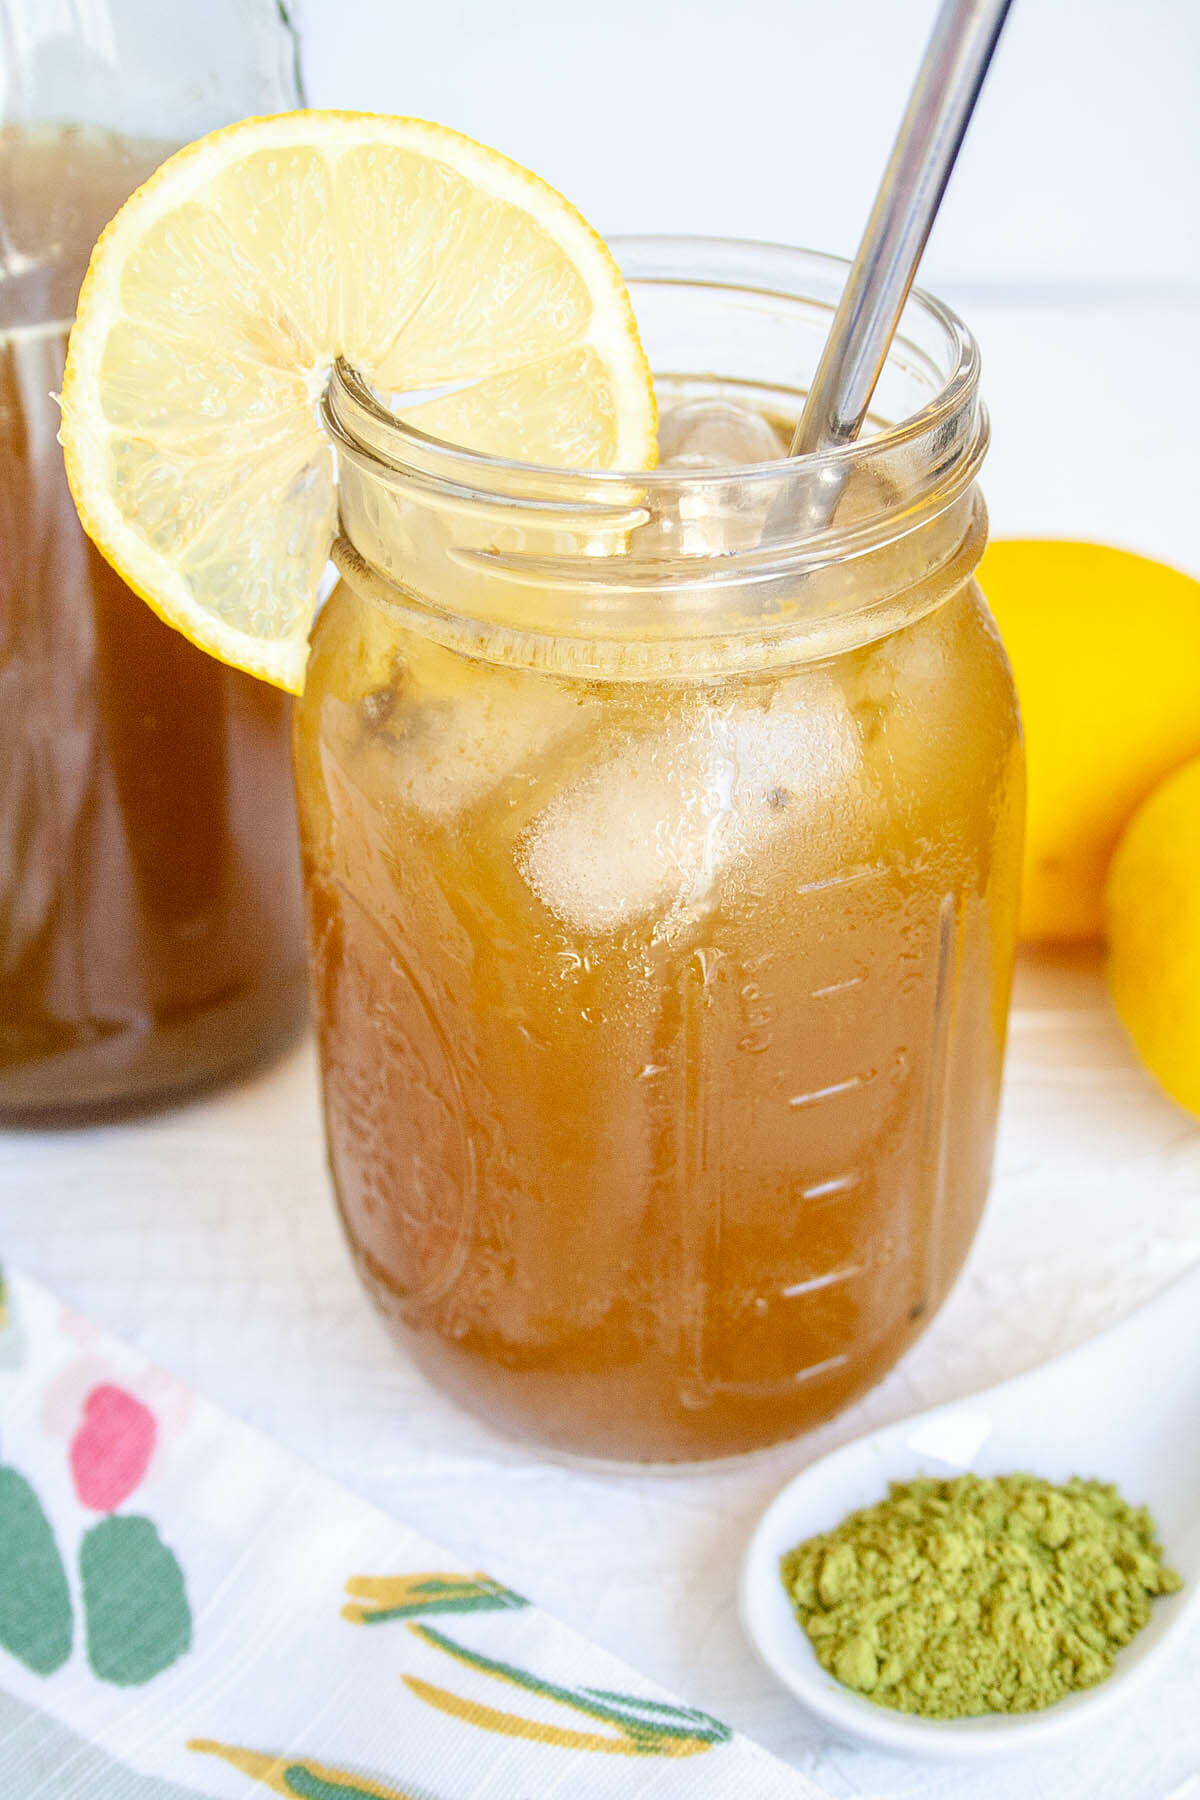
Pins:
<point x="939" y="111"/>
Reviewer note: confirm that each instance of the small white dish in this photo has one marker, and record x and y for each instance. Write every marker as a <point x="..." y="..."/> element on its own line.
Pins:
<point x="1123" y="1408"/>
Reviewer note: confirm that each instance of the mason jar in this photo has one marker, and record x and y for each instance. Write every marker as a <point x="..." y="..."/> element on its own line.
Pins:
<point x="151" y="934"/>
<point x="661" y="840"/>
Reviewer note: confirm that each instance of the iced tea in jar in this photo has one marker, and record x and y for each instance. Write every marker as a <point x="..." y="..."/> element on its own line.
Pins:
<point x="151" y="932"/>
<point x="661" y="855"/>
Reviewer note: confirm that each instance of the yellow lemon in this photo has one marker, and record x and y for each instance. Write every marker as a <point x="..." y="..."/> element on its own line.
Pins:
<point x="1153" y="903"/>
<point x="1105" y="648"/>
<point x="218" y="299"/>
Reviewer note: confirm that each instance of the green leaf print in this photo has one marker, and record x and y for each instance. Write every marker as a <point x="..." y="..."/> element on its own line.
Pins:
<point x="134" y="1602"/>
<point x="36" y="1622"/>
<point x="636" y="1726"/>
<point x="381" y="1599"/>
<point x="649" y="1725"/>
<point x="299" y="1778"/>
<point x="307" y="1786"/>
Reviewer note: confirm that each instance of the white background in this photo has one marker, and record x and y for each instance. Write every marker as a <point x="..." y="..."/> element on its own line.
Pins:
<point x="773" y="118"/>
<point x="1069" y="239"/>
<point x="1070" y="243"/>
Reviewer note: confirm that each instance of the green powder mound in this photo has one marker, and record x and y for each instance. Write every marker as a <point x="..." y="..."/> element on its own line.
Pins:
<point x="953" y="1598"/>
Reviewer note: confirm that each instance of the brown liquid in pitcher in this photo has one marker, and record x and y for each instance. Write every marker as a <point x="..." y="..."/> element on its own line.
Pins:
<point x="150" y="935"/>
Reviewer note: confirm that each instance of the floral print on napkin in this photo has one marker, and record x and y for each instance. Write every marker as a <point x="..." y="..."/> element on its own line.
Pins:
<point x="134" y="1608"/>
<point x="152" y="1546"/>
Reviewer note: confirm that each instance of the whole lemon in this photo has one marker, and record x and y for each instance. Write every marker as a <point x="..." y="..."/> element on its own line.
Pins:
<point x="1105" y="649"/>
<point x="1153" y="905"/>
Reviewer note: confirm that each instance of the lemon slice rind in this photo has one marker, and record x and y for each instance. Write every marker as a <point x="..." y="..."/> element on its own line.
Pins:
<point x="213" y="308"/>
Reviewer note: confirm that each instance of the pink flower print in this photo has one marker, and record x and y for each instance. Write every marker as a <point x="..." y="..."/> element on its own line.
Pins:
<point x="66" y="1394"/>
<point x="111" y="1450"/>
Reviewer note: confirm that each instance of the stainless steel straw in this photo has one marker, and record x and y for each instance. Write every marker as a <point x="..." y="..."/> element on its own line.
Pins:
<point x="939" y="111"/>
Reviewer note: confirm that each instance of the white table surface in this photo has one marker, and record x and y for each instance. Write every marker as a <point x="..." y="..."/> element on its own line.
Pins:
<point x="207" y="1235"/>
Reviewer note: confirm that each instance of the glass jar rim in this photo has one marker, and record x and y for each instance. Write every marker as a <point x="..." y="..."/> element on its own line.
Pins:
<point x="357" y="417"/>
<point x="607" y="566"/>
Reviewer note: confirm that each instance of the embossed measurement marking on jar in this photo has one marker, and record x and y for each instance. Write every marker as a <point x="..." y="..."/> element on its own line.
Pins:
<point x="839" y="987"/>
<point x="831" y="1279"/>
<point x="836" y="1184"/>
<point x="849" y="879"/>
<point x="835" y="1088"/>
<point x="795" y="1378"/>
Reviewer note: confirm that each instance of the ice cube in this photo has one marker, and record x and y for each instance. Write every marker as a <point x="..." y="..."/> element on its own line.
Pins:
<point x="454" y="729"/>
<point x="715" y="434"/>
<point x="625" y="839"/>
<point x="712" y="438"/>
<point x="655" y="829"/>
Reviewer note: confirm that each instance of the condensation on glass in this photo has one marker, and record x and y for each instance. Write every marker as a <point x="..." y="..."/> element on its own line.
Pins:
<point x="150" y="913"/>
<point x="661" y="862"/>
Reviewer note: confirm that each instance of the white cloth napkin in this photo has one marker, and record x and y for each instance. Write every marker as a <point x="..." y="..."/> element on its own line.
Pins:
<point x="185" y="1609"/>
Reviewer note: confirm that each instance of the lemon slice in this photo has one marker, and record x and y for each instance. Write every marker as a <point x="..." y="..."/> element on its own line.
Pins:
<point x="217" y="300"/>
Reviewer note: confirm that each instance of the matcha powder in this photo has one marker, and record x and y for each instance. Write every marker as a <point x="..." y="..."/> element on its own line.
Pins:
<point x="1003" y="1594"/>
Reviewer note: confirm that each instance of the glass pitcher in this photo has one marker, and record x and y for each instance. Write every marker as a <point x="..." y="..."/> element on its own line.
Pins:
<point x="661" y="858"/>
<point x="150" y="916"/>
